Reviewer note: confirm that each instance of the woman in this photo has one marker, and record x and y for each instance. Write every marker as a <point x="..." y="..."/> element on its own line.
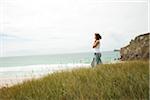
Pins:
<point x="97" y="53"/>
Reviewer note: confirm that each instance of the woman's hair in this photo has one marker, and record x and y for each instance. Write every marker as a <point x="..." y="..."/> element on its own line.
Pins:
<point x="97" y="36"/>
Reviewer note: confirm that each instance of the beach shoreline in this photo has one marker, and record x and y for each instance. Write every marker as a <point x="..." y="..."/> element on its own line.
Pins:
<point x="14" y="80"/>
<point x="11" y="81"/>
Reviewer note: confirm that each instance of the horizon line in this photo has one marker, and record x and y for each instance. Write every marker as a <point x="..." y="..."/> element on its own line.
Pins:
<point x="51" y="54"/>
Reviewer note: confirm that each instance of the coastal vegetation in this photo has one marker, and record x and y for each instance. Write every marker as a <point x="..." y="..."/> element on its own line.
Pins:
<point x="121" y="81"/>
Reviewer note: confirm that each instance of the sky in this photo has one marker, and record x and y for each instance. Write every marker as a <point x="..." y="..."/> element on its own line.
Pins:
<point x="33" y="27"/>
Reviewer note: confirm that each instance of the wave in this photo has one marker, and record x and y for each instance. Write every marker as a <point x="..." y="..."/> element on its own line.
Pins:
<point x="36" y="70"/>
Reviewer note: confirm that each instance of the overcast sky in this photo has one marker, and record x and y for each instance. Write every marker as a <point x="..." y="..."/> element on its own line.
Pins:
<point x="64" y="26"/>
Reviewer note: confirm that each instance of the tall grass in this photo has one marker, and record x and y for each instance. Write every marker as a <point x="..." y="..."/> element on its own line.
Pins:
<point x="125" y="81"/>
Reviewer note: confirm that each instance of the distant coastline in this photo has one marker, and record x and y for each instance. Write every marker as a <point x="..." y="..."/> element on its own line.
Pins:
<point x="116" y="50"/>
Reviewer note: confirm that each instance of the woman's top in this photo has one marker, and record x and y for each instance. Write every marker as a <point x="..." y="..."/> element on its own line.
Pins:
<point x="97" y="48"/>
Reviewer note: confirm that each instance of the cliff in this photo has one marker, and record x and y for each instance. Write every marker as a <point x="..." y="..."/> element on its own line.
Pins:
<point x="137" y="49"/>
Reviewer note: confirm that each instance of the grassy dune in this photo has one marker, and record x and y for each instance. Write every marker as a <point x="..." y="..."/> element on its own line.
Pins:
<point x="125" y="81"/>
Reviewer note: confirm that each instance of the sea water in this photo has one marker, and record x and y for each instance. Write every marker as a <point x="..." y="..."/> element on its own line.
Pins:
<point x="22" y="66"/>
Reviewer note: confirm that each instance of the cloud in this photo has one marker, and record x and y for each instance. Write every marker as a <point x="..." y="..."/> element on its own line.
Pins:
<point x="63" y="26"/>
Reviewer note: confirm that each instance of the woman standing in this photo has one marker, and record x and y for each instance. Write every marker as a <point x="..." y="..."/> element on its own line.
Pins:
<point x="97" y="53"/>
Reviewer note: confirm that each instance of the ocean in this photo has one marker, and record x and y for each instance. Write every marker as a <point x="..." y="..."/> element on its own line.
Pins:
<point x="38" y="65"/>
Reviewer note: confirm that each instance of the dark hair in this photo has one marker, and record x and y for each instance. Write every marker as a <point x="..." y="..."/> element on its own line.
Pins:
<point x="98" y="36"/>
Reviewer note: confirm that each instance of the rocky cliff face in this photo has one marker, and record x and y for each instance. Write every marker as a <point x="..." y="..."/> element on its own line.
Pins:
<point x="137" y="49"/>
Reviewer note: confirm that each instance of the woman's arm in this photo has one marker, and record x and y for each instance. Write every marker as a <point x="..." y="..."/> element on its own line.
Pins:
<point x="95" y="44"/>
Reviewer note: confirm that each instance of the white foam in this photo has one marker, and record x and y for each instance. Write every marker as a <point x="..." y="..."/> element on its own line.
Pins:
<point x="37" y="70"/>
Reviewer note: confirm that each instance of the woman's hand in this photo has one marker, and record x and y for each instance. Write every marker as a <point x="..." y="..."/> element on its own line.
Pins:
<point x="95" y="43"/>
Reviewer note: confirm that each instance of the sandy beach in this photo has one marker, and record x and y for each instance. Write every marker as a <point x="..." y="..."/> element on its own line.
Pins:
<point x="7" y="82"/>
<point x="13" y="80"/>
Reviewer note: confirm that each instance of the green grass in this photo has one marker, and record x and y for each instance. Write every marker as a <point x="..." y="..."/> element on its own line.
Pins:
<point x="123" y="81"/>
